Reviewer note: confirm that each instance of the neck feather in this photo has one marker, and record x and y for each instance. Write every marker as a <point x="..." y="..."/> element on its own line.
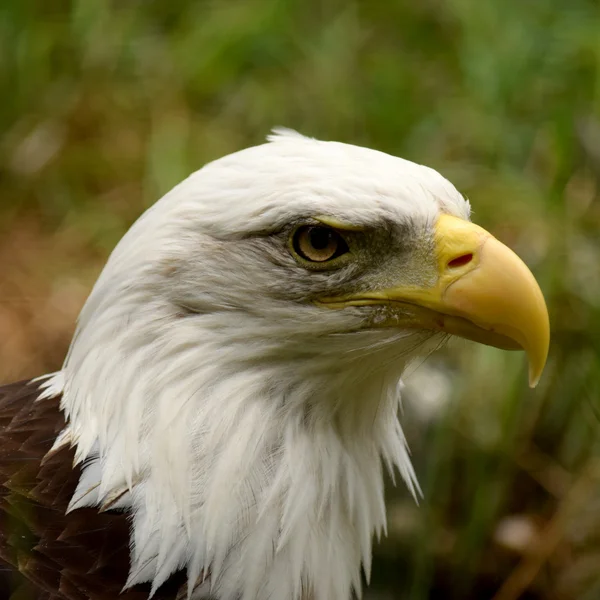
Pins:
<point x="267" y="477"/>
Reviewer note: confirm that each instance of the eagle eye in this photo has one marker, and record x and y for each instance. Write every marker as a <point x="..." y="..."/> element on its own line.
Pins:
<point x="318" y="244"/>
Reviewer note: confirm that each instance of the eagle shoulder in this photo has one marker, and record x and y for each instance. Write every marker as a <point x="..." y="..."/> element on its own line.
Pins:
<point x="52" y="554"/>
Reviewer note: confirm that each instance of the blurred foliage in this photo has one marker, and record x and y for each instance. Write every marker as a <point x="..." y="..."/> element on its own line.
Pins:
<point x="107" y="104"/>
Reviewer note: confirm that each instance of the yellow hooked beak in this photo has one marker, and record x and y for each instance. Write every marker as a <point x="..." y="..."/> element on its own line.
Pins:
<point x="484" y="292"/>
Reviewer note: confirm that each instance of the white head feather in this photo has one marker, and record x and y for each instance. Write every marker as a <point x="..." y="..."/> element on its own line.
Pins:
<point x="243" y="426"/>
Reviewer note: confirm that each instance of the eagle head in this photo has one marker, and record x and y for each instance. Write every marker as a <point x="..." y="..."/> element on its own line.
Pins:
<point x="234" y="379"/>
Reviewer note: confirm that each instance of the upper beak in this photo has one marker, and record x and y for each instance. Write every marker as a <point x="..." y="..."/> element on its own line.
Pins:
<point x="483" y="292"/>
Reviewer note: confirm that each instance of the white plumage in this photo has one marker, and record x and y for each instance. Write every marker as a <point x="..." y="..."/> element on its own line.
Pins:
<point x="246" y="428"/>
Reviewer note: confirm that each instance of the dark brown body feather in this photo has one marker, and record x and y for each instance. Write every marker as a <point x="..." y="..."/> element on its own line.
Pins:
<point x="46" y="554"/>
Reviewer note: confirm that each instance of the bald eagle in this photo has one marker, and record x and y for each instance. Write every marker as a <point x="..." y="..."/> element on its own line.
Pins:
<point x="230" y="399"/>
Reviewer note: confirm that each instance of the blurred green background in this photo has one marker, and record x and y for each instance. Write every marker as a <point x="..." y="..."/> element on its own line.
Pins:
<point x="106" y="105"/>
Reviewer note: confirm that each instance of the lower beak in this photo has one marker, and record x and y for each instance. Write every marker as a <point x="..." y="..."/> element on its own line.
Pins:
<point x="484" y="292"/>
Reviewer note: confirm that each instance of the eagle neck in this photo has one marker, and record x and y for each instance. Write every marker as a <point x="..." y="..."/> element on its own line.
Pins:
<point x="262" y="480"/>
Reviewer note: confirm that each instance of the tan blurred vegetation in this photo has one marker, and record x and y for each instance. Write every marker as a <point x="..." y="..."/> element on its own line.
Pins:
<point x="106" y="105"/>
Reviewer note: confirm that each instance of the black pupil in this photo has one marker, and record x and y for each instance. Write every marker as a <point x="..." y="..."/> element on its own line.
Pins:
<point x="320" y="237"/>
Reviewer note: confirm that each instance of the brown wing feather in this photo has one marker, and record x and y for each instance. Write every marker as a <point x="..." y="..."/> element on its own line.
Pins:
<point x="46" y="554"/>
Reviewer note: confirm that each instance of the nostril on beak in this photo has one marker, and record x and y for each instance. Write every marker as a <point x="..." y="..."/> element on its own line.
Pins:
<point x="460" y="261"/>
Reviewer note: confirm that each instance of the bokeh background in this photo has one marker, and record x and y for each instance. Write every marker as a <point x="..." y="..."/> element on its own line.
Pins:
<point x="106" y="105"/>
